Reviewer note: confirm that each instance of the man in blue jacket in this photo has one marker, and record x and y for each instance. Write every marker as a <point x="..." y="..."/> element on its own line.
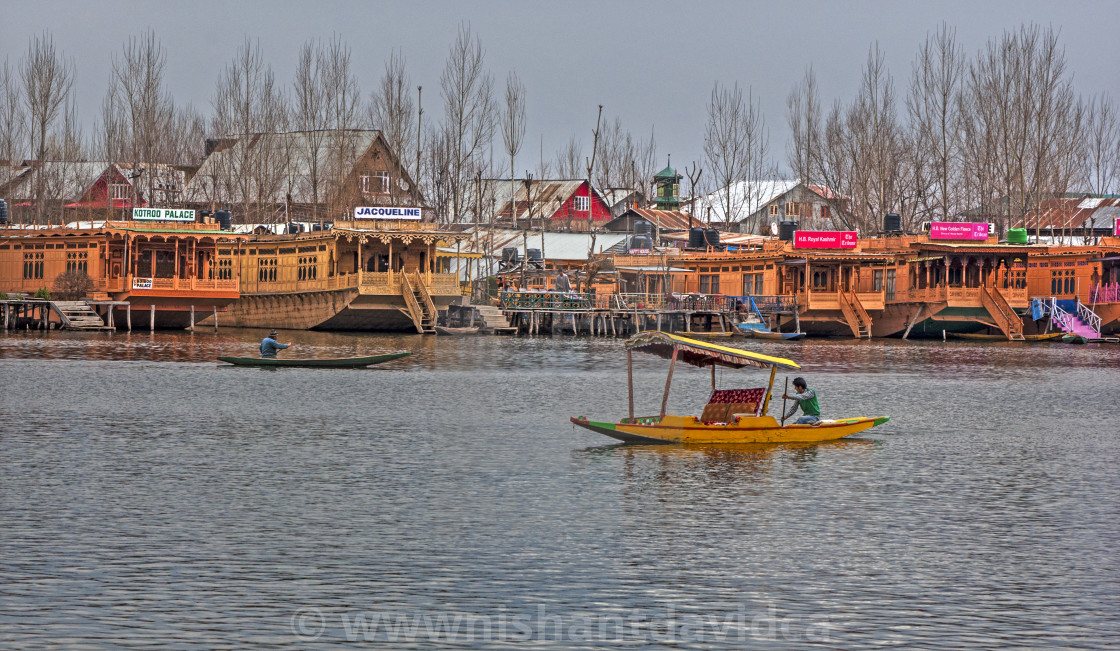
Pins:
<point x="269" y="346"/>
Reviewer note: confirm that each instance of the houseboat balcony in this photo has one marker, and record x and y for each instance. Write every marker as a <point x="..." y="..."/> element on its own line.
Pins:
<point x="342" y="281"/>
<point x="142" y="284"/>
<point x="392" y="225"/>
<point x="959" y="296"/>
<point x="385" y="283"/>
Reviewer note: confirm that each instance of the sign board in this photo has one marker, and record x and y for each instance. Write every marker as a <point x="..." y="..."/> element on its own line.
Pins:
<point x="825" y="239"/>
<point x="638" y="252"/>
<point x="162" y="215"/>
<point x="386" y="212"/>
<point x="141" y="283"/>
<point x="958" y="231"/>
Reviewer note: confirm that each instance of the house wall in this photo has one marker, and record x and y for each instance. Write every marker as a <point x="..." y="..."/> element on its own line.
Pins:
<point x="807" y="212"/>
<point x="599" y="211"/>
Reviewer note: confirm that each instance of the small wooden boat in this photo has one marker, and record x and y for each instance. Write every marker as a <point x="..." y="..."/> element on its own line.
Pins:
<point x="769" y="334"/>
<point x="731" y="416"/>
<point x="445" y="330"/>
<point x="979" y="336"/>
<point x="336" y="362"/>
<point x="1074" y="339"/>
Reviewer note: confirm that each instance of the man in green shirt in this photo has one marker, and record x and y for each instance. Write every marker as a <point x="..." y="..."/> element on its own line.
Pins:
<point x="806" y="399"/>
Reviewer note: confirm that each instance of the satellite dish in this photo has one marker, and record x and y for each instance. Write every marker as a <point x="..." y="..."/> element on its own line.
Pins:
<point x="773" y="228"/>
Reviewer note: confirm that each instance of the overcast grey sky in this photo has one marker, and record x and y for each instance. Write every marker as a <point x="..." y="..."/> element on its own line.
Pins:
<point x="650" y="63"/>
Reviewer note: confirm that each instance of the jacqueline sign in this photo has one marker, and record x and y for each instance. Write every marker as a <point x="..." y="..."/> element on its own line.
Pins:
<point x="825" y="239"/>
<point x="364" y="212"/>
<point x="162" y="215"/>
<point x="958" y="231"/>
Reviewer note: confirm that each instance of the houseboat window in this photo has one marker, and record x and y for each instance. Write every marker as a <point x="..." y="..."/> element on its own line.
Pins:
<point x="308" y="266"/>
<point x="32" y="266"/>
<point x="709" y="284"/>
<point x="165" y="264"/>
<point x="225" y="269"/>
<point x="266" y="270"/>
<point x="322" y="247"/>
<point x="582" y="204"/>
<point x="752" y="284"/>
<point x="878" y="281"/>
<point x="890" y="284"/>
<point x="77" y="261"/>
<point x="955" y="275"/>
<point x="820" y="280"/>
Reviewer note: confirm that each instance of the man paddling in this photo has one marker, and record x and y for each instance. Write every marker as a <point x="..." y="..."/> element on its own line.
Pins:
<point x="269" y="346"/>
<point x="806" y="399"/>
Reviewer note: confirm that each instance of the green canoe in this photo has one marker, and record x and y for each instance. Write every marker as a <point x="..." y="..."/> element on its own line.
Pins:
<point x="338" y="362"/>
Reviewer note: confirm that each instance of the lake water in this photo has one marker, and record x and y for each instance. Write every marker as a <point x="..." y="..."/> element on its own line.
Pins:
<point x="152" y="497"/>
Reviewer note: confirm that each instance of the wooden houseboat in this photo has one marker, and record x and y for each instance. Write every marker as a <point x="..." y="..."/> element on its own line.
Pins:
<point x="361" y="275"/>
<point x="168" y="271"/>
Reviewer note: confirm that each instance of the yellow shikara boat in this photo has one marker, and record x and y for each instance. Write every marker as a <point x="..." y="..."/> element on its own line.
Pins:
<point x="731" y="415"/>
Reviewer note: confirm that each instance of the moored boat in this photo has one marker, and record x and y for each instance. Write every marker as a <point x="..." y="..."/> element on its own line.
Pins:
<point x="336" y="362"/>
<point x="731" y="415"/>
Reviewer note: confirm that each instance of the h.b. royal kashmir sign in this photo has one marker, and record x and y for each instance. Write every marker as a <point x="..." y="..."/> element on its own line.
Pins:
<point x="386" y="212"/>
<point x="825" y="239"/>
<point x="162" y="215"/>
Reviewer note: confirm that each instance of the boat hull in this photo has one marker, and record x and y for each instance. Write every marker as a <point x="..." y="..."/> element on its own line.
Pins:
<point x="761" y="429"/>
<point x="344" y="362"/>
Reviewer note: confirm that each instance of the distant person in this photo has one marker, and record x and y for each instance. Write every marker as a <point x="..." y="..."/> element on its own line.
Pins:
<point x="806" y="399"/>
<point x="269" y="346"/>
<point x="562" y="283"/>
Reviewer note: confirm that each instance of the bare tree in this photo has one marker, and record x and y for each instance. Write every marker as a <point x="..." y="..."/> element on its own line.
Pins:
<point x="391" y="110"/>
<point x="467" y="91"/>
<point x="513" y="122"/>
<point x="568" y="159"/>
<point x="344" y="117"/>
<point x="47" y="79"/>
<point x="1102" y="146"/>
<point x="247" y="103"/>
<point x="933" y="105"/>
<point x="13" y="125"/>
<point x="804" y="119"/>
<point x="735" y="146"/>
<point x="137" y="83"/>
<point x="309" y="116"/>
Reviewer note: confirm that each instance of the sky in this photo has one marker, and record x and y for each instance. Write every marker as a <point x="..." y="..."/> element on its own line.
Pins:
<point x="652" y="63"/>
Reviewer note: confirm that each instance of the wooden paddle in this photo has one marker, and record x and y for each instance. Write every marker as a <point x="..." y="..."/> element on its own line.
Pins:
<point x="784" y="393"/>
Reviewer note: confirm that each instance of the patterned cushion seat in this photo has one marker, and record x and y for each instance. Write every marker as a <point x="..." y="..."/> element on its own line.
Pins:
<point x="724" y="403"/>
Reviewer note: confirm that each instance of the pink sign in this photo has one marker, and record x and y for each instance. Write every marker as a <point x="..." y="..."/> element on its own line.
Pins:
<point x="1116" y="227"/>
<point x="825" y="239"/>
<point x="958" y="231"/>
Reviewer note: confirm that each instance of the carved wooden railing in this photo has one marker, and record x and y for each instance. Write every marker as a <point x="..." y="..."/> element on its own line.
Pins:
<point x="1005" y="317"/>
<point x="858" y="319"/>
<point x="418" y="283"/>
<point x="414" y="311"/>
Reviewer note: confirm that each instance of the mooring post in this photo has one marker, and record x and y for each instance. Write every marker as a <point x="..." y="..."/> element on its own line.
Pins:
<point x="128" y="316"/>
<point x="192" y="318"/>
<point x="111" y="323"/>
<point x="215" y="318"/>
<point x="152" y="320"/>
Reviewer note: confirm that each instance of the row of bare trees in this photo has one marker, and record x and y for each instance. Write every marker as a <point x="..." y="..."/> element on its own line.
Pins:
<point x="999" y="131"/>
<point x="991" y="136"/>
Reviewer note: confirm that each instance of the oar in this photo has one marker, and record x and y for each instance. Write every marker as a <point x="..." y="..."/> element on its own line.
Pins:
<point x="784" y="393"/>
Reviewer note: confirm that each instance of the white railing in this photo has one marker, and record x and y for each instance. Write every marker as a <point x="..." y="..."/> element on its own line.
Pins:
<point x="1089" y="317"/>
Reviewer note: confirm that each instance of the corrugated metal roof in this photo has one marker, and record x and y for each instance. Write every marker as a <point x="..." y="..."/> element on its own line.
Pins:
<point x="666" y="219"/>
<point x="749" y="197"/>
<point x="555" y="246"/>
<point x="298" y="149"/>
<point x="510" y="200"/>
<point x="1077" y="211"/>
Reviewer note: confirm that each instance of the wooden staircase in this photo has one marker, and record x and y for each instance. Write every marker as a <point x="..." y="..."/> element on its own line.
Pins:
<point x="77" y="315"/>
<point x="419" y="302"/>
<point x="1002" y="313"/>
<point x="493" y="320"/>
<point x="855" y="315"/>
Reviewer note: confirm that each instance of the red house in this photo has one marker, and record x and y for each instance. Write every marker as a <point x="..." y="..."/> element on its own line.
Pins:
<point x="564" y="204"/>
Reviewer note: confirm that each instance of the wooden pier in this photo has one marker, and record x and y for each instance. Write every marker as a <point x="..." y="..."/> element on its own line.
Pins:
<point x="619" y="315"/>
<point x="43" y="314"/>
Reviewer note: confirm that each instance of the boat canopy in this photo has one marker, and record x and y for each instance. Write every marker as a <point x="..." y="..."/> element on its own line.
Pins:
<point x="702" y="353"/>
